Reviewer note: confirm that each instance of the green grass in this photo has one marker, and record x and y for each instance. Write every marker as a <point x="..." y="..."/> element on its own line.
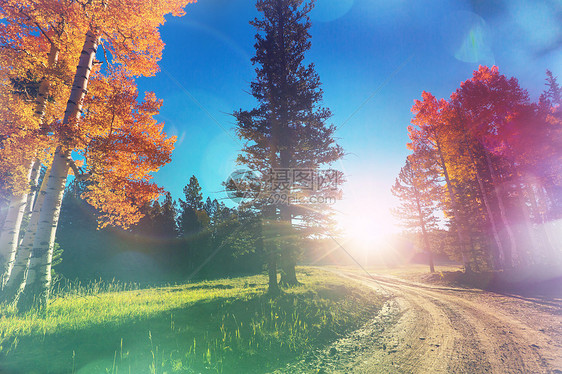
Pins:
<point x="219" y="326"/>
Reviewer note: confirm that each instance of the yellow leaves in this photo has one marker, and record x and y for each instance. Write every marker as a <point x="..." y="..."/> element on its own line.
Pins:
<point x="119" y="200"/>
<point x="129" y="30"/>
<point x="23" y="66"/>
<point x="122" y="144"/>
<point x="17" y="143"/>
<point x="117" y="136"/>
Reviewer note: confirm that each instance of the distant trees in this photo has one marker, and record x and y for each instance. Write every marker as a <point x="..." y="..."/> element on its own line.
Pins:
<point x="286" y="131"/>
<point x="498" y="157"/>
<point x="154" y="250"/>
<point x="159" y="220"/>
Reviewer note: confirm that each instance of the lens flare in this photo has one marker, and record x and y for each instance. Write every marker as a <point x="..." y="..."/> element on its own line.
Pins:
<point x="330" y="10"/>
<point x="468" y="38"/>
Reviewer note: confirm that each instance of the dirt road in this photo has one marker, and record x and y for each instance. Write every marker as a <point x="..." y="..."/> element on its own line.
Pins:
<point x="429" y="329"/>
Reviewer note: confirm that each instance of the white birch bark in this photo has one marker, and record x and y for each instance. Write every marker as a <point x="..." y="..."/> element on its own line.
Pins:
<point x="9" y="234"/>
<point x="8" y="249"/>
<point x="34" y="181"/>
<point x="24" y="213"/>
<point x="37" y="286"/>
<point x="12" y="285"/>
<point x="40" y="107"/>
<point x="45" y="86"/>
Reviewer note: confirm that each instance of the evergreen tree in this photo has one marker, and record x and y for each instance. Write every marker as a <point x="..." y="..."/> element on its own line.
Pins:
<point x="166" y="219"/>
<point x="418" y="189"/>
<point x="553" y="92"/>
<point x="547" y="147"/>
<point x="193" y="195"/>
<point x="211" y="207"/>
<point x="189" y="220"/>
<point x="288" y="128"/>
<point x="159" y="220"/>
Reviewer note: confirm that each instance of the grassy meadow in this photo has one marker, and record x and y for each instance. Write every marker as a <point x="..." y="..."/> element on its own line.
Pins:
<point x="218" y="326"/>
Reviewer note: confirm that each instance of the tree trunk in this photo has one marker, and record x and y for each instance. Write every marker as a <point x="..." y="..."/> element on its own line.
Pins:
<point x="17" y="277"/>
<point x="461" y="233"/>
<point x="474" y="258"/>
<point x="289" y="274"/>
<point x="45" y="86"/>
<point x="40" y="106"/>
<point x="431" y="264"/>
<point x="425" y="238"/>
<point x="528" y="256"/>
<point x="288" y="253"/>
<point x="36" y="290"/>
<point x="553" y="194"/>
<point x="539" y="213"/>
<point x="38" y="282"/>
<point x="9" y="234"/>
<point x="511" y="254"/>
<point x="273" y="287"/>
<point x="497" y="239"/>
<point x="22" y="217"/>
<point x="35" y="174"/>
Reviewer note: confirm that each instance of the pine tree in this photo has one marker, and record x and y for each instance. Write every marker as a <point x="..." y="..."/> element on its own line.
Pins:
<point x="553" y="93"/>
<point x="288" y="128"/>
<point x="168" y="226"/>
<point x="191" y="209"/>
<point x="159" y="219"/>
<point x="547" y="147"/>
<point x="418" y="189"/>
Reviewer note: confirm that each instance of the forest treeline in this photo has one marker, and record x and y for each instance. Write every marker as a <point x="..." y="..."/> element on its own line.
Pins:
<point x="491" y="161"/>
<point x="191" y="238"/>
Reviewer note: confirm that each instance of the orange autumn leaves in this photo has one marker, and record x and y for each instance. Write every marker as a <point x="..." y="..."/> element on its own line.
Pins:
<point x="500" y="156"/>
<point x="124" y="145"/>
<point x="116" y="140"/>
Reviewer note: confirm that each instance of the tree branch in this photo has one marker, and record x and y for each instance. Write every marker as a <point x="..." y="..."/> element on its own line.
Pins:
<point x="78" y="174"/>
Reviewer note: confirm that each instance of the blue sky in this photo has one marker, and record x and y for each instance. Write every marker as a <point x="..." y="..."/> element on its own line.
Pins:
<point x="374" y="57"/>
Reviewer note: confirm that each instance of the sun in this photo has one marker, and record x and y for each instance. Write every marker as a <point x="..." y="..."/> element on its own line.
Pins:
<point x="364" y="219"/>
<point x="366" y="229"/>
